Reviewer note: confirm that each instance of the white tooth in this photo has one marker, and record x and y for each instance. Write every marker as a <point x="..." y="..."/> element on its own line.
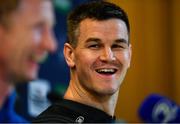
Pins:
<point x="106" y="70"/>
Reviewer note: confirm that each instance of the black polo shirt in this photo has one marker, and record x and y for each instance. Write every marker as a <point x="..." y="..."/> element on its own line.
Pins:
<point x="67" y="111"/>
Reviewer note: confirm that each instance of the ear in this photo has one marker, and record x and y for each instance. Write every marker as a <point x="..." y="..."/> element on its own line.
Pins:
<point x="69" y="55"/>
<point x="130" y="54"/>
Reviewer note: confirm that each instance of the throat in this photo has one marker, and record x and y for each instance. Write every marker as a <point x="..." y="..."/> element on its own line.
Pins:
<point x="104" y="103"/>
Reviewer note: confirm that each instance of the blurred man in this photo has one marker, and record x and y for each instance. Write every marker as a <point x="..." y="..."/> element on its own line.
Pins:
<point x="25" y="39"/>
<point x="98" y="53"/>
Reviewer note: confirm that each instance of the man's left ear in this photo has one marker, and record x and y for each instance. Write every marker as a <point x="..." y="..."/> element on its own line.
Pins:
<point x="69" y="55"/>
<point x="130" y="54"/>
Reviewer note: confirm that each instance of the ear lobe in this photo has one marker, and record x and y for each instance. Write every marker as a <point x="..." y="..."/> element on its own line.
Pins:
<point x="69" y="55"/>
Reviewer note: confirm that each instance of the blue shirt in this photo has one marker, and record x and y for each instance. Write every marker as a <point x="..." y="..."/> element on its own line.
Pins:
<point x="7" y="112"/>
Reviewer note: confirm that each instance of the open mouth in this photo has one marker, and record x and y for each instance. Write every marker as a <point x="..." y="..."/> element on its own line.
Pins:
<point x="106" y="71"/>
<point x="38" y="59"/>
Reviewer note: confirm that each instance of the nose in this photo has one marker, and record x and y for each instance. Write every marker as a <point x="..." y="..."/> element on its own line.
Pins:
<point x="49" y="42"/>
<point x="107" y="55"/>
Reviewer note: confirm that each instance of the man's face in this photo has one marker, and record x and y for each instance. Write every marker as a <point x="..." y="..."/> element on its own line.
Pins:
<point x="27" y="40"/>
<point x="102" y="56"/>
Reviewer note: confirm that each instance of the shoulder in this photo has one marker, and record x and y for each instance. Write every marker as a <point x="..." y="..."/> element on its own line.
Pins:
<point x="67" y="111"/>
<point x="59" y="112"/>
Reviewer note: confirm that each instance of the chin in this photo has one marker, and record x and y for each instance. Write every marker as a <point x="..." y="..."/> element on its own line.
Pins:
<point x="110" y="87"/>
<point x="111" y="92"/>
<point x="31" y="76"/>
<point x="108" y="91"/>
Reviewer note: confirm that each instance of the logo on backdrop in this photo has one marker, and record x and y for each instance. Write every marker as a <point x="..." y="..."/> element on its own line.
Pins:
<point x="37" y="96"/>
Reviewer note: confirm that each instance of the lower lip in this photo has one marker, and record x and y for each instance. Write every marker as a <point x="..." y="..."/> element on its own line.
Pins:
<point x="106" y="76"/>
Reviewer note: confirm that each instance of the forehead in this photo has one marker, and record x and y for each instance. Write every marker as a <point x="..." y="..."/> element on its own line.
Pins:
<point x="36" y="9"/>
<point x="111" y="29"/>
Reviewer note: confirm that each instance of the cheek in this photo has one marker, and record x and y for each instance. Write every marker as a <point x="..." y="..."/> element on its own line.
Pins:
<point x="21" y="47"/>
<point x="84" y="59"/>
<point x="124" y="58"/>
<point x="36" y="36"/>
<point x="21" y="41"/>
<point x="127" y="60"/>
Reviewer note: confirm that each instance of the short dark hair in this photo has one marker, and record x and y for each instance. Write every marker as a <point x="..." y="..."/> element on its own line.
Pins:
<point x="97" y="10"/>
<point x="7" y="7"/>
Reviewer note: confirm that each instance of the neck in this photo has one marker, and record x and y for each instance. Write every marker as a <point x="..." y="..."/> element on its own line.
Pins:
<point x="106" y="103"/>
<point x="5" y="89"/>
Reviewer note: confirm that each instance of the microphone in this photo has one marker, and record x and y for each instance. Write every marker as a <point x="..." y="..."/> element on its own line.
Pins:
<point x="159" y="109"/>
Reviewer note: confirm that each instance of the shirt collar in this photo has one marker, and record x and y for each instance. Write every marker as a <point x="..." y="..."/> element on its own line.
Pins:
<point x="88" y="113"/>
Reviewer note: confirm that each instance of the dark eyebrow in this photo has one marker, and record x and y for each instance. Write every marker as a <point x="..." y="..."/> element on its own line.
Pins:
<point x="93" y="39"/>
<point x="121" y="41"/>
<point x="99" y="40"/>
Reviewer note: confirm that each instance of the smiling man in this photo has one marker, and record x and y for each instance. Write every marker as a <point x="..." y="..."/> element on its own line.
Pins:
<point x="26" y="36"/>
<point x="98" y="53"/>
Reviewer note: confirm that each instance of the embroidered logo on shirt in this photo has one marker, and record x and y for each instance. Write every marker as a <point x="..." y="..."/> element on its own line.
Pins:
<point x="80" y="119"/>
